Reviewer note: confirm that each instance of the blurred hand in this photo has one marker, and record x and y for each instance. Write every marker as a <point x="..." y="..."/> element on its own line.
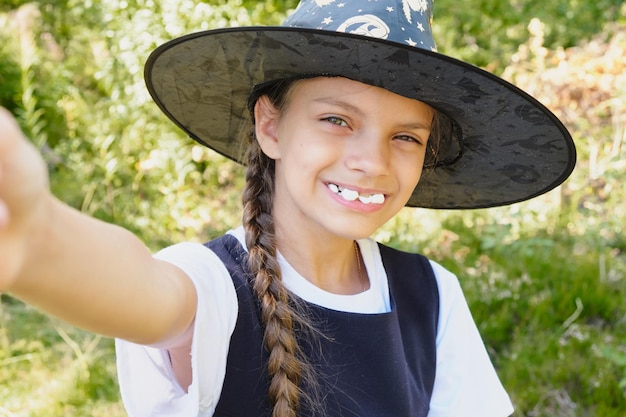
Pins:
<point x="24" y="193"/>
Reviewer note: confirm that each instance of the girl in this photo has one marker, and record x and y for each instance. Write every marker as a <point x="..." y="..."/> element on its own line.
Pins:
<point x="297" y="311"/>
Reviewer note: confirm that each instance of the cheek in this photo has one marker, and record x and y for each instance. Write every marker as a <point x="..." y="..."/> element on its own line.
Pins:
<point x="410" y="167"/>
<point x="307" y="151"/>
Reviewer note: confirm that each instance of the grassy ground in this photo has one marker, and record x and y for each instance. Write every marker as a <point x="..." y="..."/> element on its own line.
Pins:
<point x="50" y="369"/>
<point x="556" y="324"/>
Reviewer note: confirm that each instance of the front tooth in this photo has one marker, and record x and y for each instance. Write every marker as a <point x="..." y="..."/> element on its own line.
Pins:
<point x="365" y="199"/>
<point x="372" y="199"/>
<point x="349" y="195"/>
<point x="377" y="198"/>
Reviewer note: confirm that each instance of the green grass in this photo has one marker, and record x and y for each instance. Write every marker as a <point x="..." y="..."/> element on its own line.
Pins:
<point x="552" y="312"/>
<point x="49" y="369"/>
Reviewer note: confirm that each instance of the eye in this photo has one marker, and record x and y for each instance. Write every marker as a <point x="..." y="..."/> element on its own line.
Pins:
<point x="336" y="121"/>
<point x="409" y="138"/>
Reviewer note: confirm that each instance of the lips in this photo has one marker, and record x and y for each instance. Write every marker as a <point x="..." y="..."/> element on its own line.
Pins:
<point x="352" y="195"/>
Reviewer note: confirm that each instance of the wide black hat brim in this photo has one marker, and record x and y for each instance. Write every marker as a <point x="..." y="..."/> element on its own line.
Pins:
<point x="512" y="147"/>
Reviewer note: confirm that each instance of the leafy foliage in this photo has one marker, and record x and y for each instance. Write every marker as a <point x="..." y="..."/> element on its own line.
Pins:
<point x="544" y="278"/>
<point x="487" y="32"/>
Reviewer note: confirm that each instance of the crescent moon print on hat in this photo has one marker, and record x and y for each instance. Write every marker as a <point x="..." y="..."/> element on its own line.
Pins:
<point x="506" y="147"/>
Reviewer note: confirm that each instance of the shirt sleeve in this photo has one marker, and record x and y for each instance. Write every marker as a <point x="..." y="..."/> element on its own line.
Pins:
<point x="466" y="383"/>
<point x="148" y="385"/>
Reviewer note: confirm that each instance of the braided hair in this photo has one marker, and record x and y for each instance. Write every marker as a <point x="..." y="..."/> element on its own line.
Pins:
<point x="287" y="367"/>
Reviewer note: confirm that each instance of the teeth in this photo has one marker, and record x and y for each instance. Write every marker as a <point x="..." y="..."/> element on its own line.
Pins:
<point x="351" y="195"/>
<point x="377" y="199"/>
<point x="372" y="199"/>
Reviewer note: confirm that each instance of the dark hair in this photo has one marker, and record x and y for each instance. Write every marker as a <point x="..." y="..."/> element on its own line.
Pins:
<point x="445" y="145"/>
<point x="287" y="367"/>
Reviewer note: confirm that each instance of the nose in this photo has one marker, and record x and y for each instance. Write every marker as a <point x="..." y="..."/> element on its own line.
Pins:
<point x="369" y="153"/>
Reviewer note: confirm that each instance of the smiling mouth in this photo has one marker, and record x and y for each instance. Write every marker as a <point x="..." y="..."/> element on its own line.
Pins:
<point x="352" y="195"/>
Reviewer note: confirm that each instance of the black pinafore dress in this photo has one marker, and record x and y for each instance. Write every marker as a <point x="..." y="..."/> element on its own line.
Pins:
<point x="368" y="365"/>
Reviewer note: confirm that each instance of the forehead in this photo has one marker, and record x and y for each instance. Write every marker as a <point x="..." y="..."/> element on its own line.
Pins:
<point x="354" y="96"/>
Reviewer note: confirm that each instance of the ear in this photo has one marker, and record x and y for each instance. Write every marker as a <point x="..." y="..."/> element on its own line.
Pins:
<point x="266" y="117"/>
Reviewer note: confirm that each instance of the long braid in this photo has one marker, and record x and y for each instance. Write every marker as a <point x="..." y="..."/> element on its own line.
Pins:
<point x="284" y="367"/>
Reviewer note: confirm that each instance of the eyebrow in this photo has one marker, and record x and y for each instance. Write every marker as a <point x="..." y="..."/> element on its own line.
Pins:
<point x="415" y="126"/>
<point x="352" y="108"/>
<point x="340" y="103"/>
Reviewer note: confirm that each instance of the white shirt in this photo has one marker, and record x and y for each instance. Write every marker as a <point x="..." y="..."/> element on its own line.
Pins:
<point x="466" y="383"/>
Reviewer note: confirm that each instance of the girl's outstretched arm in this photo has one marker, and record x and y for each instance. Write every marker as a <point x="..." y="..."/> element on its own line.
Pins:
<point x="89" y="273"/>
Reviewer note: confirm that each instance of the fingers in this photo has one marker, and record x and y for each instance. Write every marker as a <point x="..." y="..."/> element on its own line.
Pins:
<point x="9" y="131"/>
<point x="11" y="137"/>
<point x="6" y="126"/>
<point x="4" y="215"/>
<point x="23" y="175"/>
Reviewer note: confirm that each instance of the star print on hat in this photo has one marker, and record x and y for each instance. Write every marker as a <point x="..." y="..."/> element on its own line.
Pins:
<point x="414" y="17"/>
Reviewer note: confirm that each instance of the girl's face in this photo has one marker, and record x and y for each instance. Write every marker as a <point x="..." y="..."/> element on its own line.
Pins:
<point x="348" y="155"/>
